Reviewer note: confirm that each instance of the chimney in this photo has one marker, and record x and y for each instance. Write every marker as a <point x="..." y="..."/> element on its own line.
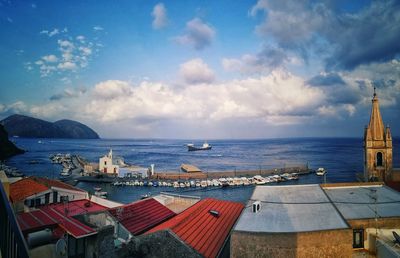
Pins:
<point x="256" y="206"/>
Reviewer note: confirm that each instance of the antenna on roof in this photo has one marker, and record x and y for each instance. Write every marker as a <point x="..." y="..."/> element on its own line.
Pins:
<point x="374" y="91"/>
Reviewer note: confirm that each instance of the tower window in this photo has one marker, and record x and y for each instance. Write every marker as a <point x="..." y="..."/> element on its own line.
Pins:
<point x="379" y="159"/>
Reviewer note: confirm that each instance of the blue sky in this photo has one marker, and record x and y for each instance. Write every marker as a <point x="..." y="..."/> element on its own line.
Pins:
<point x="202" y="69"/>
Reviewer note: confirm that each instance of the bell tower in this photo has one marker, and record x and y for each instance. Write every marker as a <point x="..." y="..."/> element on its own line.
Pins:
<point x="377" y="146"/>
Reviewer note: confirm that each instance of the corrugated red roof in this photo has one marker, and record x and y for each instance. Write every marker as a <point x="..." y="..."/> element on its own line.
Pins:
<point x="61" y="214"/>
<point x="77" y="207"/>
<point x="25" y="188"/>
<point x="204" y="232"/>
<point x="140" y="216"/>
<point x="34" y="220"/>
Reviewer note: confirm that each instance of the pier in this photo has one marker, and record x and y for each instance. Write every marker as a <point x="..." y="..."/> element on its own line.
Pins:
<point x="236" y="173"/>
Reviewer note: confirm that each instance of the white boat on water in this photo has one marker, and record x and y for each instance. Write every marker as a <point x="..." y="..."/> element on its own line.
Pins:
<point x="245" y="180"/>
<point x="203" y="183"/>
<point x="99" y="193"/>
<point x="215" y="182"/>
<point x="205" y="146"/>
<point x="259" y="180"/>
<point x="223" y="181"/>
<point x="320" y="172"/>
<point x="176" y="184"/>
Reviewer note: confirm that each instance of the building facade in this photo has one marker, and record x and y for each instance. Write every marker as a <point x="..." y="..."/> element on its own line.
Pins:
<point x="106" y="164"/>
<point x="378" y="152"/>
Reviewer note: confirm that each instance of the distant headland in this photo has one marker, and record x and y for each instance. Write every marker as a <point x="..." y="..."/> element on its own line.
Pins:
<point x="7" y="148"/>
<point x="30" y="127"/>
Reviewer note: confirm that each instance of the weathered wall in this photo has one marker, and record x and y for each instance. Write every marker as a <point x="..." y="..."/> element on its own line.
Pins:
<point x="334" y="243"/>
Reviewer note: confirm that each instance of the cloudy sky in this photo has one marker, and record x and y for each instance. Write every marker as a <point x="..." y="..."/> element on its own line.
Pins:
<point x="202" y="69"/>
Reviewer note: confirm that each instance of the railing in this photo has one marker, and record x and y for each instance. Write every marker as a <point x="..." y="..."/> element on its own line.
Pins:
<point x="12" y="242"/>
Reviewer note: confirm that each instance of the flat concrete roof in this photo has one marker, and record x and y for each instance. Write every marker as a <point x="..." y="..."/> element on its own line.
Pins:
<point x="289" y="209"/>
<point x="356" y="202"/>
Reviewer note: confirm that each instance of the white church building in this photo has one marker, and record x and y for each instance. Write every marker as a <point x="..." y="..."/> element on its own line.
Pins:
<point x="106" y="164"/>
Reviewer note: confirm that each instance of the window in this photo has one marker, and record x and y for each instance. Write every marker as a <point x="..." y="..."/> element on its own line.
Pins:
<point x="379" y="159"/>
<point x="32" y="204"/>
<point x="47" y="198"/>
<point x="37" y="202"/>
<point x="55" y="197"/>
<point x="105" y="163"/>
<point x="358" y="238"/>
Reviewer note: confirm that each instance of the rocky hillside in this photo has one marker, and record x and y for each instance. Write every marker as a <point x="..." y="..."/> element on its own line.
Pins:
<point x="7" y="148"/>
<point x="25" y="126"/>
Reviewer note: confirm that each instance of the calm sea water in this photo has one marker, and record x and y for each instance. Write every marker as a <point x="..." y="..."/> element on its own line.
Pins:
<point x="342" y="157"/>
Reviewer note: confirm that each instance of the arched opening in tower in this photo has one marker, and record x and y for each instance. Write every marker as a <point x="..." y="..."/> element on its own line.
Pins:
<point x="379" y="159"/>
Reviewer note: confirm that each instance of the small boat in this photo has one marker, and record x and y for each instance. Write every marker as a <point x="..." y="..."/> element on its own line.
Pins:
<point x="144" y="196"/>
<point x="320" y="172"/>
<point x="245" y="180"/>
<point x="99" y="193"/>
<point x="203" y="183"/>
<point x="176" y="184"/>
<point x="259" y="180"/>
<point x="205" y="146"/>
<point x="223" y="182"/>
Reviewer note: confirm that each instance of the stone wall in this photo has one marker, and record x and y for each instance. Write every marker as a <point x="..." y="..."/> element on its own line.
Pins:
<point x="333" y="243"/>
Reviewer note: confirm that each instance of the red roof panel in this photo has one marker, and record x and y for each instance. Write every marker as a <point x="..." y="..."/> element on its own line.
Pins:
<point x="77" y="207"/>
<point x="140" y="216"/>
<point x="202" y="230"/>
<point x="25" y="188"/>
<point x="61" y="214"/>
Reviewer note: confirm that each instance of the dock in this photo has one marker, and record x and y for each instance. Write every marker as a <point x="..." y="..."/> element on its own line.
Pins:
<point x="190" y="168"/>
<point x="301" y="170"/>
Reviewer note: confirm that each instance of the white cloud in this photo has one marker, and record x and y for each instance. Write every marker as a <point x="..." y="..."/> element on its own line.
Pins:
<point x="280" y="98"/>
<point x="196" y="71"/>
<point x="67" y="66"/>
<point x="50" y="58"/>
<point x="52" y="33"/>
<point x="159" y="14"/>
<point x="98" y="28"/>
<point x="197" y="34"/>
<point x="65" y="44"/>
<point x="81" y="38"/>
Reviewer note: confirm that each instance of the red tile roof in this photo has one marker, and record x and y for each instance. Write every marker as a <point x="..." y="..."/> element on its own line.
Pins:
<point x="55" y="183"/>
<point x="141" y="216"/>
<point x="55" y="214"/>
<point x="204" y="232"/>
<point x="25" y="188"/>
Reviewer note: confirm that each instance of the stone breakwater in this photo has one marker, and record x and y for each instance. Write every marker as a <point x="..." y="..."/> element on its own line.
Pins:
<point x="238" y="173"/>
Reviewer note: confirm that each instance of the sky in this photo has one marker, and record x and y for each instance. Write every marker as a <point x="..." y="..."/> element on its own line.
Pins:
<point x="202" y="69"/>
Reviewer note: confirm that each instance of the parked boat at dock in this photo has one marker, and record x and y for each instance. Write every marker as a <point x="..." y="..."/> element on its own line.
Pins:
<point x="320" y="172"/>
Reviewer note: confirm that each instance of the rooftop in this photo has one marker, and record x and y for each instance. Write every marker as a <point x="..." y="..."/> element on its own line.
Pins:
<point x="29" y="186"/>
<point x="292" y="208"/>
<point x="55" y="183"/>
<point x="199" y="228"/>
<point x="60" y="214"/>
<point x="140" y="216"/>
<point x="24" y="188"/>
<point x="357" y="202"/>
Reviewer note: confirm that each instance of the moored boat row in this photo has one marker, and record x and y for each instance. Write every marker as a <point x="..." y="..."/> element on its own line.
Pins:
<point x="221" y="182"/>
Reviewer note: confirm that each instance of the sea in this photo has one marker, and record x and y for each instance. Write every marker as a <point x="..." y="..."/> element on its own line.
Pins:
<point x="341" y="157"/>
